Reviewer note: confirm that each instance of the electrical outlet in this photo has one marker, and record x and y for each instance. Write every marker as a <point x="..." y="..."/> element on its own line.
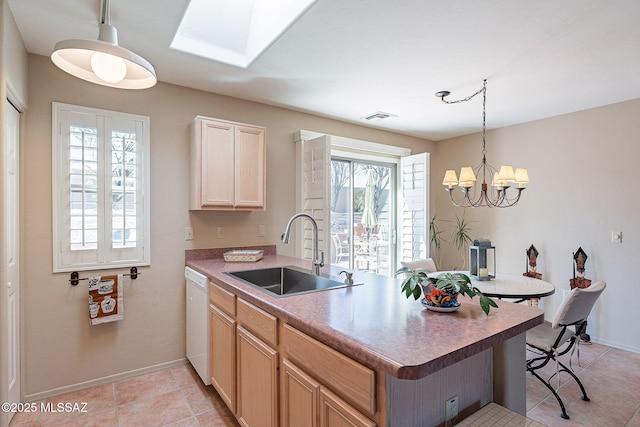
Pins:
<point x="616" y="237"/>
<point x="222" y="233"/>
<point x="262" y="231"/>
<point x="451" y="411"/>
<point x="188" y="233"/>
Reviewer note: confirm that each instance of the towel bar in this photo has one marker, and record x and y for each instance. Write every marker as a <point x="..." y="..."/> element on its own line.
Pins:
<point x="75" y="276"/>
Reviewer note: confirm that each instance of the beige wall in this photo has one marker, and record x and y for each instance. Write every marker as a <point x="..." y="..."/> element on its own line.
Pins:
<point x="582" y="168"/>
<point x="61" y="349"/>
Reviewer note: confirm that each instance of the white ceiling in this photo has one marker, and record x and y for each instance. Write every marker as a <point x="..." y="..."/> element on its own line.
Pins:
<point x="348" y="59"/>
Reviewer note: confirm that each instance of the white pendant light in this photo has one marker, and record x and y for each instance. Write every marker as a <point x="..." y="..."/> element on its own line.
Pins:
<point x="102" y="61"/>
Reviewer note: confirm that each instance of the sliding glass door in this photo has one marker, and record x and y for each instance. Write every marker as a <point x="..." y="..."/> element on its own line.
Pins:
<point x="363" y="200"/>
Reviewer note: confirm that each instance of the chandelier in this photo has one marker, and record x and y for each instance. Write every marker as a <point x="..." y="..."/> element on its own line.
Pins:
<point x="495" y="193"/>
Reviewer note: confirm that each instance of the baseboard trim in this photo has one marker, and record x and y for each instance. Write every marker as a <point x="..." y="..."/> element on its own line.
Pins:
<point x="617" y="345"/>
<point x="103" y="380"/>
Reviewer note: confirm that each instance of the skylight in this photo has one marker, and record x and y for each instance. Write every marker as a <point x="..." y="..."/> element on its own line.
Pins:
<point x="235" y="32"/>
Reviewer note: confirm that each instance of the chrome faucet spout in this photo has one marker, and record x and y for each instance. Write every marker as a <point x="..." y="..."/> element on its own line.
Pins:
<point x="318" y="257"/>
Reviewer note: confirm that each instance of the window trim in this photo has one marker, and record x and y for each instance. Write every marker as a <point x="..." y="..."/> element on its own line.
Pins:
<point x="59" y="175"/>
<point x="341" y="143"/>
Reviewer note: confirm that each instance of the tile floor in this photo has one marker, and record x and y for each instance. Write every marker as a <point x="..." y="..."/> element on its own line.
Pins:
<point x="495" y="415"/>
<point x="611" y="378"/>
<point x="176" y="397"/>
<point x="172" y="397"/>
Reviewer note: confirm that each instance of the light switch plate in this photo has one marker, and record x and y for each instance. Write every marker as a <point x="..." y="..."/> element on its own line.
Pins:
<point x="222" y="233"/>
<point x="616" y="237"/>
<point x="262" y="231"/>
<point x="188" y="233"/>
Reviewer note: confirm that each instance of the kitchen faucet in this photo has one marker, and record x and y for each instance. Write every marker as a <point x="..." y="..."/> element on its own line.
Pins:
<point x="318" y="261"/>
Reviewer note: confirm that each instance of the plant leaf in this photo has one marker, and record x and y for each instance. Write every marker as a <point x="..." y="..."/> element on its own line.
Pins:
<point x="417" y="291"/>
<point x="486" y="303"/>
<point x="403" y="270"/>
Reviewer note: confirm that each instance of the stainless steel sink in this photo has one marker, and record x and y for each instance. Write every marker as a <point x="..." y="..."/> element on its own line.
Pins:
<point x="286" y="281"/>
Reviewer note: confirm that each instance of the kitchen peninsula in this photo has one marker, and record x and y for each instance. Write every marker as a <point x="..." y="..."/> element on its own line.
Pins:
<point x="362" y="352"/>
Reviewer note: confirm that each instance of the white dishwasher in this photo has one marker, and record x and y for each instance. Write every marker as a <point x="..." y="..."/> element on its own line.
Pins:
<point x="198" y="322"/>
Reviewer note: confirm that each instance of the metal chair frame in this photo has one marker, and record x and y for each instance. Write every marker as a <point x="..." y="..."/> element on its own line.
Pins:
<point x="571" y="313"/>
<point x="554" y="355"/>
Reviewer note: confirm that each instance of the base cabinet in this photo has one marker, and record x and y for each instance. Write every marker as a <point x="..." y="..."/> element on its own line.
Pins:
<point x="270" y="374"/>
<point x="305" y="402"/>
<point x="299" y="396"/>
<point x="223" y="355"/>
<point x="257" y="381"/>
<point x="335" y="412"/>
<point x="244" y="358"/>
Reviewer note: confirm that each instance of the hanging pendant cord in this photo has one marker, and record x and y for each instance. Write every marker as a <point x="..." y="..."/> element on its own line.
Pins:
<point x="105" y="12"/>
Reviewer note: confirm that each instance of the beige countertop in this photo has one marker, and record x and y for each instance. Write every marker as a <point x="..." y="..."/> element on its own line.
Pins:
<point x="374" y="323"/>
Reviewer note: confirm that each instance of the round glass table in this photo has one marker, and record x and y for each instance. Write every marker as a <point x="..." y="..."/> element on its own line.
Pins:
<point x="506" y="285"/>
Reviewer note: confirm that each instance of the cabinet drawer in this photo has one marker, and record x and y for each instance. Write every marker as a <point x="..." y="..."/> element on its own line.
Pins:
<point x="348" y="378"/>
<point x="261" y="323"/>
<point x="223" y="299"/>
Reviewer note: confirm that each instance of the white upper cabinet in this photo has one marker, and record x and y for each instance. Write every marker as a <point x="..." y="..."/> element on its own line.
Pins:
<point x="228" y="166"/>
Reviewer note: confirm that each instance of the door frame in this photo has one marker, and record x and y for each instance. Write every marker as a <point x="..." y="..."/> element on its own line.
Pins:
<point x="5" y="395"/>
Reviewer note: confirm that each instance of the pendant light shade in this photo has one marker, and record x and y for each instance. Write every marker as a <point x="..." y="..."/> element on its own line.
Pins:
<point x="102" y="61"/>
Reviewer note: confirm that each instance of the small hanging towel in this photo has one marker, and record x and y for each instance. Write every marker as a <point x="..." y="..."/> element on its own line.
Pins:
<point x="105" y="299"/>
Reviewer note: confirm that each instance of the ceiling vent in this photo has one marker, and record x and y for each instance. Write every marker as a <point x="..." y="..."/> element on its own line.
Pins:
<point x="378" y="115"/>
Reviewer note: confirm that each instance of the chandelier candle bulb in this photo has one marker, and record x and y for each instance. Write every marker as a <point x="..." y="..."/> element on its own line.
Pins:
<point x="522" y="177"/>
<point x="496" y="180"/>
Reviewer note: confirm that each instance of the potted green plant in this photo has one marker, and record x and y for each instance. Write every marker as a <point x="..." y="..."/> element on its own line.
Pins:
<point x="456" y="234"/>
<point x="442" y="290"/>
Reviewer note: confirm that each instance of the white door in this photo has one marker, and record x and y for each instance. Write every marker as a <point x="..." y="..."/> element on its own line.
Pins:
<point x="12" y="250"/>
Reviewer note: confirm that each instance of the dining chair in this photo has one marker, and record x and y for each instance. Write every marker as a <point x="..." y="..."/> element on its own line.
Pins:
<point x="556" y="338"/>
<point x="341" y="247"/>
<point x="426" y="263"/>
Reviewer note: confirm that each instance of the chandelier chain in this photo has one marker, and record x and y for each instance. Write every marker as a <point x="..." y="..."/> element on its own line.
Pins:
<point x="458" y="101"/>
<point x="484" y="112"/>
<point x="484" y="118"/>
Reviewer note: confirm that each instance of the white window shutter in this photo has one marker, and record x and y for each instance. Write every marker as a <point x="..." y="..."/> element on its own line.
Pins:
<point x="100" y="189"/>
<point x="414" y="211"/>
<point x="316" y="177"/>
